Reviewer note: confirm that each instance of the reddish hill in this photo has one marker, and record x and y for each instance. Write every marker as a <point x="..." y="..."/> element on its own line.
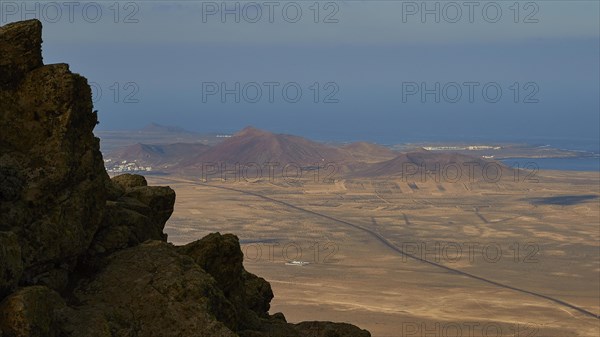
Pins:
<point x="257" y="146"/>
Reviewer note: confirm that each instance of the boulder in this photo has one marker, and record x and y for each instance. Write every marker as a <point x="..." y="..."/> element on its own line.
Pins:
<point x="221" y="257"/>
<point x="127" y="181"/>
<point x="140" y="214"/>
<point x="151" y="290"/>
<point x="160" y="200"/>
<point x="31" y="312"/>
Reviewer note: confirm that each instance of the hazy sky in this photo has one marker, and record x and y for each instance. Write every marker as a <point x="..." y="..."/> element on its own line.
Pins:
<point x="366" y="63"/>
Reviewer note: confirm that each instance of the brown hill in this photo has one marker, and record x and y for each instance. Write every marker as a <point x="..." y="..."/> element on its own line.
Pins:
<point x="424" y="164"/>
<point x="252" y="145"/>
<point x="369" y="152"/>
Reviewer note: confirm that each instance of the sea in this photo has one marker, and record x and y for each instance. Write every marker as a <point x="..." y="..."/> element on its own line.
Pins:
<point x="588" y="161"/>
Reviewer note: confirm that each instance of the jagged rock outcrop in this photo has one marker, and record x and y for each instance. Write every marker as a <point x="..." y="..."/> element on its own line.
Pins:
<point x="83" y="255"/>
<point x="221" y="257"/>
<point x="134" y="213"/>
<point x="21" y="51"/>
<point x="49" y="158"/>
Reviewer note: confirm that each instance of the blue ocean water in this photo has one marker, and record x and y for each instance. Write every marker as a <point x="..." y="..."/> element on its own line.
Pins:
<point x="588" y="161"/>
<point x="589" y="148"/>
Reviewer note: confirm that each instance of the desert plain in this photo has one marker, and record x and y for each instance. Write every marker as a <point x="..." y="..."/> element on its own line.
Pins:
<point x="529" y="246"/>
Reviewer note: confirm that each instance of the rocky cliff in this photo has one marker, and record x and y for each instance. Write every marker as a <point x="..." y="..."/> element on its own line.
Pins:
<point x="85" y="255"/>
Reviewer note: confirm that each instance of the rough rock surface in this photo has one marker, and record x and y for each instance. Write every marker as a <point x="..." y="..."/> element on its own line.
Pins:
<point x="49" y="158"/>
<point x="135" y="214"/>
<point x="31" y="311"/>
<point x="82" y="255"/>
<point x="11" y="265"/>
<point x="151" y="290"/>
<point x="127" y="181"/>
<point x="21" y="49"/>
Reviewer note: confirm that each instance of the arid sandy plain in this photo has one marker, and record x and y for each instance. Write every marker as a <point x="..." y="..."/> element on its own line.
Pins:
<point x="520" y="234"/>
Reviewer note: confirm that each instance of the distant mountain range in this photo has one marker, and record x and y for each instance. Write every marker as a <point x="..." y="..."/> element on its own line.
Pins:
<point x="253" y="146"/>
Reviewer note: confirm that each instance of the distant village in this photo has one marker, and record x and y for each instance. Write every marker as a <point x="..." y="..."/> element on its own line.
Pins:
<point x="462" y="148"/>
<point x="113" y="166"/>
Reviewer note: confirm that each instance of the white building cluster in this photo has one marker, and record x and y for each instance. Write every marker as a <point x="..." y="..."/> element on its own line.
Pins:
<point x="462" y="148"/>
<point x="114" y="166"/>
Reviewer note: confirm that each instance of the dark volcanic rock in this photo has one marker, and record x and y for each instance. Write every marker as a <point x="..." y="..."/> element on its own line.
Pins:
<point x="328" y="329"/>
<point x="258" y="294"/>
<point x="49" y="157"/>
<point x="82" y="255"/>
<point x="127" y="181"/>
<point x="31" y="312"/>
<point x="222" y="257"/>
<point x="21" y="51"/>
<point x="159" y="199"/>
<point x="136" y="214"/>
<point x="11" y="266"/>
<point x="151" y="290"/>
